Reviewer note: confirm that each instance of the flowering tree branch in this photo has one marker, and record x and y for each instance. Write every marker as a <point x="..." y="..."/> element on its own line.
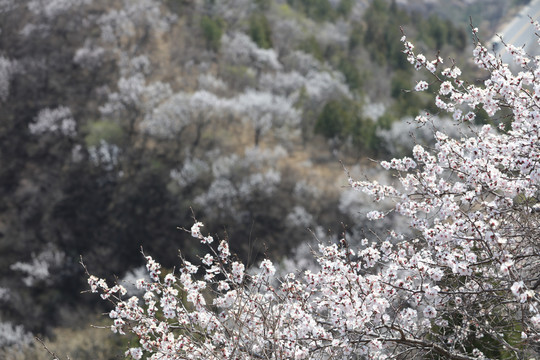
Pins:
<point x="460" y="284"/>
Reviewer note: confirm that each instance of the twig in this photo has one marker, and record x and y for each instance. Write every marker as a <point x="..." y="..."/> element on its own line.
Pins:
<point x="55" y="357"/>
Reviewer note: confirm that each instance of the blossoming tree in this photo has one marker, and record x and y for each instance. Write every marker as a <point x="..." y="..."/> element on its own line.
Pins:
<point x="462" y="283"/>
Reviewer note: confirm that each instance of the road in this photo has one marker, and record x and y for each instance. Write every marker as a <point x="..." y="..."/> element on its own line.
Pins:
<point x="520" y="32"/>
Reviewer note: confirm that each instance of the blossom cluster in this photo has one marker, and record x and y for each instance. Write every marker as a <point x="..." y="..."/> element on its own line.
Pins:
<point x="457" y="288"/>
<point x="59" y="120"/>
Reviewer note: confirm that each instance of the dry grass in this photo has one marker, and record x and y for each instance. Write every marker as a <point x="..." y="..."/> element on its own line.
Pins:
<point x="86" y="343"/>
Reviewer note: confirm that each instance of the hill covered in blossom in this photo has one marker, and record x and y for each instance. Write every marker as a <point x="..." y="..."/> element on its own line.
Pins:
<point x="122" y="120"/>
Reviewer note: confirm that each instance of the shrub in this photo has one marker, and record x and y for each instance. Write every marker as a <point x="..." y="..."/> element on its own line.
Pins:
<point x="260" y="32"/>
<point x="212" y="31"/>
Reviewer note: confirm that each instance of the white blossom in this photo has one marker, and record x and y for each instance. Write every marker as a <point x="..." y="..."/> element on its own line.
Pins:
<point x="53" y="8"/>
<point x="14" y="335"/>
<point x="105" y="155"/>
<point x="171" y="117"/>
<point x="39" y="269"/>
<point x="239" y="49"/>
<point x="59" y="120"/>
<point x="265" y="111"/>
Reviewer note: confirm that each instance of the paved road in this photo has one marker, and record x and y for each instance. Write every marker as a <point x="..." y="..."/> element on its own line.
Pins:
<point x="520" y="32"/>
